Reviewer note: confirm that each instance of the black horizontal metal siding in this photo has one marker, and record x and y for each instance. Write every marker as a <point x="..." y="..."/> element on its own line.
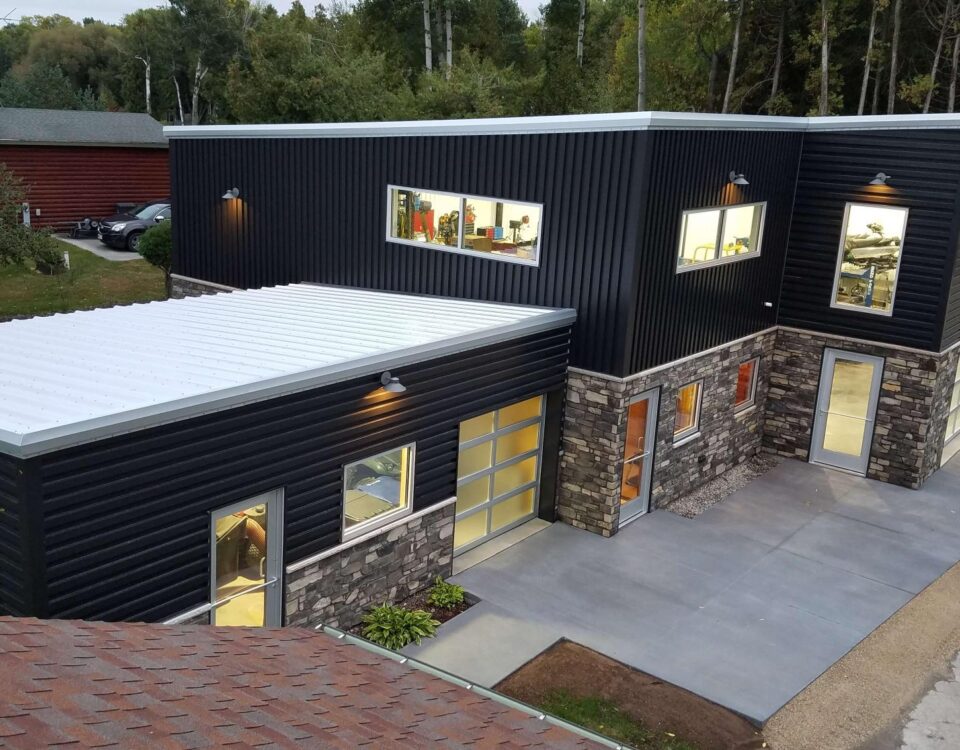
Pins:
<point x="12" y="601"/>
<point x="126" y="524"/>
<point x="676" y="315"/>
<point x="835" y="169"/>
<point x="315" y="210"/>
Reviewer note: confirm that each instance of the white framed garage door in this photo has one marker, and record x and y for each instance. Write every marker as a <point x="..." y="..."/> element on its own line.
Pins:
<point x="498" y="472"/>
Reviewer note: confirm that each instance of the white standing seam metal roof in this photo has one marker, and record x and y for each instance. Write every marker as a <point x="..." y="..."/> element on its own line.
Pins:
<point x="73" y="378"/>
<point x="598" y="122"/>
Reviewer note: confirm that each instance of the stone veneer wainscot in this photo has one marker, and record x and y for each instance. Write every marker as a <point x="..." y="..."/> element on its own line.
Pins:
<point x="337" y="587"/>
<point x="594" y="431"/>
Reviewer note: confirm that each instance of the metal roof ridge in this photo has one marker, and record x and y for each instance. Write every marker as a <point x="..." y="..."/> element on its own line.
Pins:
<point x="606" y="121"/>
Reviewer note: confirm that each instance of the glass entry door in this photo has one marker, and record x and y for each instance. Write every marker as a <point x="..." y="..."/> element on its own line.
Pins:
<point x="246" y="562"/>
<point x="846" y="410"/>
<point x="635" y="481"/>
<point x="498" y="472"/>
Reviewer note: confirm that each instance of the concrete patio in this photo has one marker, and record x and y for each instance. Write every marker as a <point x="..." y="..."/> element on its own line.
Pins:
<point x="744" y="605"/>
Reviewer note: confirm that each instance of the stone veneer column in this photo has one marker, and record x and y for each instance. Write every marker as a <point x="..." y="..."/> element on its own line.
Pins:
<point x="184" y="286"/>
<point x="911" y="413"/>
<point x="390" y="565"/>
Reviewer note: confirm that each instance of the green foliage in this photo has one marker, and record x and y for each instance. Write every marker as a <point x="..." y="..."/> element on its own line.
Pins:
<point x="394" y="627"/>
<point x="603" y="717"/>
<point x="445" y="595"/>
<point x="156" y="245"/>
<point x="44" y="86"/>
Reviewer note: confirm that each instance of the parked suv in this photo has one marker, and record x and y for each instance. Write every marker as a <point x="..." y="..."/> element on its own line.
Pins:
<point x="123" y="231"/>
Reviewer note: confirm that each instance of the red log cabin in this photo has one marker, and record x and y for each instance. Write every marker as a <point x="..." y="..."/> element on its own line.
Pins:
<point x="83" y="164"/>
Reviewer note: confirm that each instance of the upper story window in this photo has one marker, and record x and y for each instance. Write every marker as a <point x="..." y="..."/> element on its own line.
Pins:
<point x="377" y="490"/>
<point x="869" y="258"/>
<point x="471" y="225"/>
<point x="710" y="236"/>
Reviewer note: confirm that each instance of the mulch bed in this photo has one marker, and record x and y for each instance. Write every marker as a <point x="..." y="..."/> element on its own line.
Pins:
<point x="657" y="705"/>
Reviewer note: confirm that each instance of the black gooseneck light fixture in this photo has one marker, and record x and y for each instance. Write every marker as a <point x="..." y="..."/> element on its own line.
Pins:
<point x="232" y="194"/>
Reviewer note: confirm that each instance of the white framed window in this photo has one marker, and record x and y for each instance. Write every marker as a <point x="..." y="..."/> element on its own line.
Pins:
<point x="377" y="490"/>
<point x="953" y="416"/>
<point x="473" y="225"/>
<point x="746" y="392"/>
<point x="868" y="261"/>
<point x="687" y="420"/>
<point x="246" y="554"/>
<point x="721" y="234"/>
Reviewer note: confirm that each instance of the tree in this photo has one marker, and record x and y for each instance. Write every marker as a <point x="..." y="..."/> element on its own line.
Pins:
<point x="156" y="247"/>
<point x="581" y="28"/>
<point x="868" y="57"/>
<point x="427" y="36"/>
<point x="145" y="38"/>
<point x="824" y="106"/>
<point x="44" y="87"/>
<point x="894" y="51"/>
<point x="946" y="21"/>
<point x="734" y="53"/>
<point x="641" y="55"/>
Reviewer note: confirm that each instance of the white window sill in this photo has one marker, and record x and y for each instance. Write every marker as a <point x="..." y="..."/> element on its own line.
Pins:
<point x="686" y="439"/>
<point x="743" y="410"/>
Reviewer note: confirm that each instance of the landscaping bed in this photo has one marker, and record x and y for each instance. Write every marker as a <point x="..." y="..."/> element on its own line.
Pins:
<point x="716" y="490"/>
<point x="590" y="689"/>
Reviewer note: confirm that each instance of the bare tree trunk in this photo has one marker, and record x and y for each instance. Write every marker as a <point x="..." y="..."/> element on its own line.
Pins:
<point x="947" y="16"/>
<point x="876" y="88"/>
<point x="641" y="55"/>
<point x="581" y="26"/>
<point x="199" y="74"/>
<point x="712" y="81"/>
<point x="867" y="59"/>
<point x="176" y="85"/>
<point x="427" y="42"/>
<point x="824" y="59"/>
<point x="449" y="17"/>
<point x="438" y="30"/>
<point x="894" y="49"/>
<point x="732" y="75"/>
<point x="778" y="57"/>
<point x="952" y="96"/>
<point x="146" y="81"/>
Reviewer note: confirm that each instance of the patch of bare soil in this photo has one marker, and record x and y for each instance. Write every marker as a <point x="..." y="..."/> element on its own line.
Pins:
<point x="657" y="705"/>
<point x="714" y="491"/>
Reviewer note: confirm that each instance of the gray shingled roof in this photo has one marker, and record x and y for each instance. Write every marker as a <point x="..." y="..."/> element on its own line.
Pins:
<point x="75" y="127"/>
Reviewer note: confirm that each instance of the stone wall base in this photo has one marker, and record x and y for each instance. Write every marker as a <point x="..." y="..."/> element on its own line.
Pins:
<point x="338" y="589"/>
<point x="595" y="425"/>
<point x="184" y="286"/>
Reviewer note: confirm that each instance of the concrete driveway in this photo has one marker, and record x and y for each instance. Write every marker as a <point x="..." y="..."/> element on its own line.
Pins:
<point x="744" y="605"/>
<point x="96" y="247"/>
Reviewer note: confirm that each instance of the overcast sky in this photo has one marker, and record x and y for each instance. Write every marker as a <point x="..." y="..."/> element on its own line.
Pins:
<point x="114" y="10"/>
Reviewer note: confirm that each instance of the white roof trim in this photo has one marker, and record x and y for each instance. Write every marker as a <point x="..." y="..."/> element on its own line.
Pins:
<point x="91" y="375"/>
<point x="615" y="121"/>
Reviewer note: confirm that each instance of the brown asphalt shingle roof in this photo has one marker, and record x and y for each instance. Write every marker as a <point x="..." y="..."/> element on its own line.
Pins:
<point x="85" y="685"/>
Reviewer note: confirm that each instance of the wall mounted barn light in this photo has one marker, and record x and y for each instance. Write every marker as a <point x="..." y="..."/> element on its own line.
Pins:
<point x="391" y="383"/>
<point x="231" y="194"/>
<point x="880" y="179"/>
<point x="737" y="178"/>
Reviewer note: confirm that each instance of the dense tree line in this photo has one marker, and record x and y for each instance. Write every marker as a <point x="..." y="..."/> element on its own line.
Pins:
<point x="198" y="61"/>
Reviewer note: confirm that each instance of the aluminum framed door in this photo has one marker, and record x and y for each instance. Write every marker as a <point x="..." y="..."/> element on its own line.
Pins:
<point x="636" y="477"/>
<point x="846" y="410"/>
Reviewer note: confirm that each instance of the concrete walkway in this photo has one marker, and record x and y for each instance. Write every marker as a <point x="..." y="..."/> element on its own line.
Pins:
<point x="744" y="605"/>
<point x="935" y="722"/>
<point x="96" y="247"/>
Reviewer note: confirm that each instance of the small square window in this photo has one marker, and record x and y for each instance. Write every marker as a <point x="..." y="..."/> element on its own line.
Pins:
<point x="869" y="258"/>
<point x="746" y="393"/>
<point x="377" y="490"/>
<point x="687" y="420"/>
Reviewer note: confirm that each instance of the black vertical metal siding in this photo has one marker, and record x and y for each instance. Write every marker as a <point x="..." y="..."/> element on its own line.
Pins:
<point x="951" y="318"/>
<point x="676" y="315"/>
<point x="12" y="600"/>
<point x="835" y="169"/>
<point x="315" y="210"/>
<point x="126" y="520"/>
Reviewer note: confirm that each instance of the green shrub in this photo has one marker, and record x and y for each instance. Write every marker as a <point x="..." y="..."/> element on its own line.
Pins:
<point x="394" y="627"/>
<point x="156" y="247"/>
<point x="445" y="595"/>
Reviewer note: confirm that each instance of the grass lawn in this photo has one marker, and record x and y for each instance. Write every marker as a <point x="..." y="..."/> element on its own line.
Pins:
<point x="603" y="717"/>
<point x="90" y="282"/>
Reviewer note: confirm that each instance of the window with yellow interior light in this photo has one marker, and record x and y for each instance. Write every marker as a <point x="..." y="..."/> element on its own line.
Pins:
<point x="711" y="236"/>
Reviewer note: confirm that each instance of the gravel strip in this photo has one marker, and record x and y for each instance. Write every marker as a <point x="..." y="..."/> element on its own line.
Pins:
<point x="692" y="505"/>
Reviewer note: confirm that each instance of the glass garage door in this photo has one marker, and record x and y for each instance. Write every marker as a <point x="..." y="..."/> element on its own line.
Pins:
<point x="498" y="473"/>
